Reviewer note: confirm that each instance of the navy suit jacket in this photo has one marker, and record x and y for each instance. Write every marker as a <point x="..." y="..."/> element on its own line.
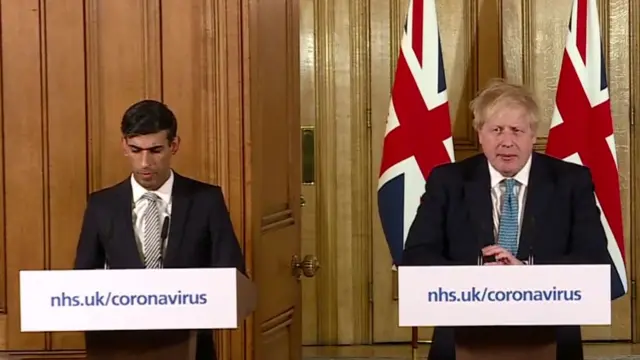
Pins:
<point x="200" y="234"/>
<point x="560" y="225"/>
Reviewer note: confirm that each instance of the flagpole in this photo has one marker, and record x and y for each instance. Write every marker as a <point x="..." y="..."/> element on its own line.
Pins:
<point x="414" y="343"/>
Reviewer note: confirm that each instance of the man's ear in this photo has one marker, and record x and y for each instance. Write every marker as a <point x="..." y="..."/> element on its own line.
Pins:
<point x="125" y="146"/>
<point x="175" y="145"/>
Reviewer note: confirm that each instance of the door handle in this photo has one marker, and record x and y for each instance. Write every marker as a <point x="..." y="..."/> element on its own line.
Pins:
<point x="308" y="266"/>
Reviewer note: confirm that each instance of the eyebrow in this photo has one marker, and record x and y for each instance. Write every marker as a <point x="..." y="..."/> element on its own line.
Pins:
<point x="155" y="147"/>
<point x="508" y="127"/>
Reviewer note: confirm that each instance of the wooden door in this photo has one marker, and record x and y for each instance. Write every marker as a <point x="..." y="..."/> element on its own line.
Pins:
<point x="272" y="158"/>
<point x="522" y="41"/>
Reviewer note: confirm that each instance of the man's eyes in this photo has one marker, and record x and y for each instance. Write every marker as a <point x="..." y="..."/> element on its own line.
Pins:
<point x="152" y="150"/>
<point x="499" y="130"/>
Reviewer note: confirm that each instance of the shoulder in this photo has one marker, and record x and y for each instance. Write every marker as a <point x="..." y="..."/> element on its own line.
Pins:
<point x="460" y="171"/>
<point x="564" y="171"/>
<point x="108" y="194"/>
<point x="102" y="202"/>
<point x="198" y="189"/>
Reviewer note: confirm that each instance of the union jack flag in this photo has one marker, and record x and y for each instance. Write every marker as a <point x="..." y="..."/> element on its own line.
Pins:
<point x="582" y="128"/>
<point x="418" y="131"/>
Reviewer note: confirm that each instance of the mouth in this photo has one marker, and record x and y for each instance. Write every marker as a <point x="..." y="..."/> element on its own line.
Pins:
<point x="507" y="157"/>
<point x="146" y="174"/>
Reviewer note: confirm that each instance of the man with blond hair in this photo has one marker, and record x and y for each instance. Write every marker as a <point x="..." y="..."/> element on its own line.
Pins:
<point x="506" y="203"/>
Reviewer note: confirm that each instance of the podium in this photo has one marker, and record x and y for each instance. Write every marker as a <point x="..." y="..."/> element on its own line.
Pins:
<point x="136" y="313"/>
<point x="504" y="312"/>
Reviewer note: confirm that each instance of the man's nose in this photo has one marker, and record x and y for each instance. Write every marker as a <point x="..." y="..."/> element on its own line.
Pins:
<point x="507" y="140"/>
<point x="145" y="159"/>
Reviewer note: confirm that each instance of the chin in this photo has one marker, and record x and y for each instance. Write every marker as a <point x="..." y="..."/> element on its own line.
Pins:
<point x="143" y="181"/>
<point x="509" y="170"/>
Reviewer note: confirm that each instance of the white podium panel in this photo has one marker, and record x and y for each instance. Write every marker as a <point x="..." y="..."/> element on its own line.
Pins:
<point x="504" y="295"/>
<point x="136" y="299"/>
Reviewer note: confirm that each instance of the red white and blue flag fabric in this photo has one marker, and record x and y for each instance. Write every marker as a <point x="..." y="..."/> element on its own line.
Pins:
<point x="418" y="131"/>
<point x="582" y="127"/>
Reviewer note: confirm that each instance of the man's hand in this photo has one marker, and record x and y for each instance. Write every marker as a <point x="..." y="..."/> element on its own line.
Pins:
<point x="502" y="256"/>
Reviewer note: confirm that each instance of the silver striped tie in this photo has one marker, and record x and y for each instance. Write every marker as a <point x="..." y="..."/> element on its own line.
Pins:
<point x="151" y="232"/>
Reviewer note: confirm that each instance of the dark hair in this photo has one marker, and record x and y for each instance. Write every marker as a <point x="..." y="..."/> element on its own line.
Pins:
<point x="149" y="117"/>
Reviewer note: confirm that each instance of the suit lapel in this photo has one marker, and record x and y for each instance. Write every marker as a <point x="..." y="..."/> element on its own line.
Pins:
<point x="539" y="192"/>
<point x="123" y="226"/>
<point x="181" y="204"/>
<point x="477" y="190"/>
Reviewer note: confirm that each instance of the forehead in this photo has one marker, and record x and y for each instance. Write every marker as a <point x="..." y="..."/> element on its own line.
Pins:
<point x="149" y="140"/>
<point x="511" y="116"/>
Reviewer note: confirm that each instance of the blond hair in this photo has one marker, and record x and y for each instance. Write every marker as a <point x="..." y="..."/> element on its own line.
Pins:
<point x="500" y="93"/>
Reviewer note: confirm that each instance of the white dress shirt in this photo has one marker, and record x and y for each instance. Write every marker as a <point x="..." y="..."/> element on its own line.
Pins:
<point x="139" y="206"/>
<point x="497" y="189"/>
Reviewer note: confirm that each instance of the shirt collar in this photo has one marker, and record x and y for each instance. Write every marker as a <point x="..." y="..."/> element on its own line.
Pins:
<point x="164" y="192"/>
<point x="522" y="176"/>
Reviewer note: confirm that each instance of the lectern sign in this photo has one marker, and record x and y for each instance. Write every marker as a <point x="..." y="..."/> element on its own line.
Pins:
<point x="504" y="295"/>
<point x="81" y="300"/>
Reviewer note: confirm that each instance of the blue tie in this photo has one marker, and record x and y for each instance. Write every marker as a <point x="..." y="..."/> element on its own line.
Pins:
<point x="508" y="231"/>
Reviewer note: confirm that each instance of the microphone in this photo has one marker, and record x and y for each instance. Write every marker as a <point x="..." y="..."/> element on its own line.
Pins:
<point x="479" y="229"/>
<point x="163" y="237"/>
<point x="481" y="244"/>
<point x="530" y="258"/>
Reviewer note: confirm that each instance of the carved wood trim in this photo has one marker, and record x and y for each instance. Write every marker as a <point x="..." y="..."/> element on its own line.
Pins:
<point x="326" y="191"/>
<point x="356" y="320"/>
<point x="634" y="89"/>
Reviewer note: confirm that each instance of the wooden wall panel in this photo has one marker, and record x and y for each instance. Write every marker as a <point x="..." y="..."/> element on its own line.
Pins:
<point x="634" y="151"/>
<point x="184" y="78"/>
<point x="69" y="69"/>
<point x="26" y="167"/>
<point x="3" y="276"/>
<point x="349" y="55"/>
<point x="123" y="66"/>
<point x="66" y="140"/>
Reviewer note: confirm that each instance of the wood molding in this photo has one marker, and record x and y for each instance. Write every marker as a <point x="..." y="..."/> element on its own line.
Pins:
<point x="356" y="320"/>
<point x="484" y="49"/>
<point x="464" y="136"/>
<point x="384" y="18"/>
<point x="310" y="154"/>
<point x="615" y="18"/>
<point x="44" y="355"/>
<point x="326" y="190"/>
<point x="23" y="92"/>
<point x="615" y="27"/>
<point x="3" y="235"/>
<point x="222" y="102"/>
<point x="64" y="48"/>
<point x="634" y="117"/>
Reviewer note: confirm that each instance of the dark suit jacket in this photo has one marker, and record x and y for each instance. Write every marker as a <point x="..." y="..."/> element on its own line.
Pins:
<point x="200" y="234"/>
<point x="560" y="225"/>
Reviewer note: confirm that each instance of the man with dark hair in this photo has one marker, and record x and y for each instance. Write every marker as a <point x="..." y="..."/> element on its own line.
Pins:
<point x="123" y="224"/>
